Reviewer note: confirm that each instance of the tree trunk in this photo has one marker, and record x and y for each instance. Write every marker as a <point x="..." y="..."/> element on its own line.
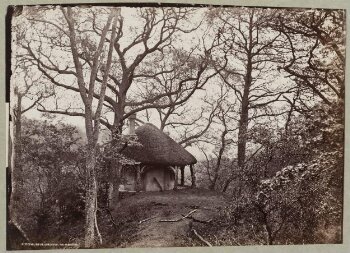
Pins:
<point x="218" y="163"/>
<point x="243" y="125"/>
<point x="16" y="164"/>
<point x="243" y="121"/>
<point x="90" y="199"/>
<point x="116" y="168"/>
<point x="226" y="184"/>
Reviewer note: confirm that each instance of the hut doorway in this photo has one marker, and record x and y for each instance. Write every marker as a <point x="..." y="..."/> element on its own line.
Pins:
<point x="158" y="178"/>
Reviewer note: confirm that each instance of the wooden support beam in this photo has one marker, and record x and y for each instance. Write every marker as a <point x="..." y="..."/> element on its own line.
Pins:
<point x="142" y="168"/>
<point x="193" y="177"/>
<point x="176" y="171"/>
<point x="182" y="175"/>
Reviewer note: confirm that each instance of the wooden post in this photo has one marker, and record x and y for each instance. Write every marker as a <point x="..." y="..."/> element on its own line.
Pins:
<point x="182" y="175"/>
<point x="176" y="176"/>
<point x="138" y="178"/>
<point x="193" y="177"/>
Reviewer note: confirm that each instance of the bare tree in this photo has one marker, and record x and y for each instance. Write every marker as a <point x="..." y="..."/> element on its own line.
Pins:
<point x="72" y="42"/>
<point x="216" y="143"/>
<point x="180" y="114"/>
<point x="223" y="144"/>
<point x="248" y="55"/>
<point x="26" y="95"/>
<point x="155" y="37"/>
<point x="318" y="66"/>
<point x="92" y="118"/>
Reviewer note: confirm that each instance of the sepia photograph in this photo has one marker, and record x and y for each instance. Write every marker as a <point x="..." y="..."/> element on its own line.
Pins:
<point x="175" y="125"/>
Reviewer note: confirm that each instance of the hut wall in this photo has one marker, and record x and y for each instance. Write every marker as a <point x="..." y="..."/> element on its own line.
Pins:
<point x="169" y="179"/>
<point x="158" y="179"/>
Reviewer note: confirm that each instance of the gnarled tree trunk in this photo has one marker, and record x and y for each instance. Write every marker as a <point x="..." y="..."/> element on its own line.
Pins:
<point x="90" y="199"/>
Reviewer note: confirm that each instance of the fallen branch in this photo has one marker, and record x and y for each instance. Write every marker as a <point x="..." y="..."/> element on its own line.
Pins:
<point x="151" y="218"/>
<point x="201" y="238"/>
<point x="180" y="219"/>
<point x="195" y="210"/>
<point x="197" y="220"/>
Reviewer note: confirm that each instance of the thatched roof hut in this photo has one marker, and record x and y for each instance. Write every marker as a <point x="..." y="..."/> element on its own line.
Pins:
<point x="158" y="148"/>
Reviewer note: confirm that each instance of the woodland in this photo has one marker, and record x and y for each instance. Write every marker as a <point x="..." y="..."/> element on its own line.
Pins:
<point x="255" y="94"/>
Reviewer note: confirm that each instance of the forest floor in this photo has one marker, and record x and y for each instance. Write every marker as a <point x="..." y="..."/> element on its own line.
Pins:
<point x="138" y="218"/>
<point x="138" y="221"/>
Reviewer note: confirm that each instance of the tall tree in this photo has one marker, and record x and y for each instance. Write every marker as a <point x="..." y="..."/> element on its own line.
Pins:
<point x="41" y="50"/>
<point x="28" y="90"/>
<point x="249" y="51"/>
<point x="92" y="117"/>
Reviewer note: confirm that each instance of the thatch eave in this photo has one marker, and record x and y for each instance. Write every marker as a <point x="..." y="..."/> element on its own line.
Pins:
<point x="158" y="149"/>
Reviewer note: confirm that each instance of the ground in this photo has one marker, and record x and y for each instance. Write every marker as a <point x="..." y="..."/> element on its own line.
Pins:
<point x="136" y="222"/>
<point x="152" y="207"/>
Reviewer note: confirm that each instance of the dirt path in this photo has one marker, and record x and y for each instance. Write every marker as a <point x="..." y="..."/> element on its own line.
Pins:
<point x="169" y="205"/>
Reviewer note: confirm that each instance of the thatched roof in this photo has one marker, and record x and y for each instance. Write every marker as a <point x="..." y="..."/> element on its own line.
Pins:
<point x="158" y="148"/>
